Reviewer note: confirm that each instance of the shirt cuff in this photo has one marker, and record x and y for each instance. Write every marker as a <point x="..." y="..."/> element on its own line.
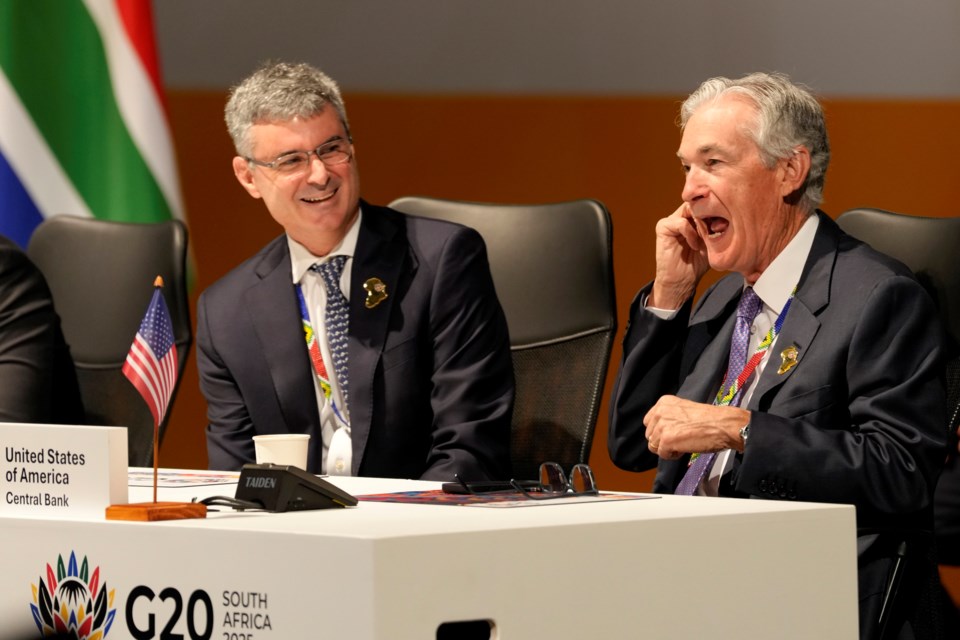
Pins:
<point x="663" y="314"/>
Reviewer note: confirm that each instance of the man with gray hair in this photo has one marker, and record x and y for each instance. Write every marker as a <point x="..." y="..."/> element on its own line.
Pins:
<point x="378" y="334"/>
<point x="812" y="370"/>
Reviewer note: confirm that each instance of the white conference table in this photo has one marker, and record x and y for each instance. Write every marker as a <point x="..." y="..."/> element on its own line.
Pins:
<point x="667" y="567"/>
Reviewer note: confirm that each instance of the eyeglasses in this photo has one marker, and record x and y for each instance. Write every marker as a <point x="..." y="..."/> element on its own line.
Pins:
<point x="331" y="153"/>
<point x="554" y="483"/>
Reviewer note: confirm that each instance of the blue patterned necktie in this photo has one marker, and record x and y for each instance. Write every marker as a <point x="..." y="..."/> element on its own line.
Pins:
<point x="747" y="310"/>
<point x="336" y="319"/>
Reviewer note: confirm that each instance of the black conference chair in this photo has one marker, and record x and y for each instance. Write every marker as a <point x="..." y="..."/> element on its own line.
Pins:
<point x="553" y="270"/>
<point x="930" y="247"/>
<point x="101" y="276"/>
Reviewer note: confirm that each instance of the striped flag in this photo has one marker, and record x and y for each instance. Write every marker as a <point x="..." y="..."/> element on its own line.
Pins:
<point x="152" y="361"/>
<point x="83" y="122"/>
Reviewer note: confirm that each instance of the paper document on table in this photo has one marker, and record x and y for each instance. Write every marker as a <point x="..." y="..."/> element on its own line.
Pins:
<point x="143" y="477"/>
<point x="499" y="500"/>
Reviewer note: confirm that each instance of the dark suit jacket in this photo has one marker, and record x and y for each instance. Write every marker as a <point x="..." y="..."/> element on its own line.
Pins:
<point x="431" y="379"/>
<point x="38" y="382"/>
<point x="861" y="417"/>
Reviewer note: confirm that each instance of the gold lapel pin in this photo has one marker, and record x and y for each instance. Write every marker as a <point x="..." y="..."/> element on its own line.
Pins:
<point x="376" y="292"/>
<point x="789" y="357"/>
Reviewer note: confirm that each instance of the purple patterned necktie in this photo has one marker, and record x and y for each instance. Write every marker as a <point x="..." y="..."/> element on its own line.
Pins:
<point x="747" y="310"/>
<point x="336" y="319"/>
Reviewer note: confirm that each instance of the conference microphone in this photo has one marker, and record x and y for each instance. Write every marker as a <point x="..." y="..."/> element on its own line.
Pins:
<point x="276" y="487"/>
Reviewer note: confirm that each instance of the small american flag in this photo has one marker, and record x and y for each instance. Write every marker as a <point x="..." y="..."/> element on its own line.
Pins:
<point x="152" y="361"/>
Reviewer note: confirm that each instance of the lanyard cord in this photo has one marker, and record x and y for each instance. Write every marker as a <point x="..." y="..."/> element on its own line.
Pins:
<point x="316" y="358"/>
<point x="726" y="396"/>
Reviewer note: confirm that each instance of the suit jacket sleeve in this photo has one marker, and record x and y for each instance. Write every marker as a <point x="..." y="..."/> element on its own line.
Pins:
<point x="32" y="352"/>
<point x="473" y="386"/>
<point x="230" y="431"/>
<point x="652" y="350"/>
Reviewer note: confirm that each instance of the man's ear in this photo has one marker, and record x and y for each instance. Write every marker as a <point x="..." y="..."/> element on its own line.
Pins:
<point x="241" y="169"/>
<point x="796" y="168"/>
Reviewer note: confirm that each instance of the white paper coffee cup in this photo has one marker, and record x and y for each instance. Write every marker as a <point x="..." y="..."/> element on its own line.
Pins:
<point x="282" y="448"/>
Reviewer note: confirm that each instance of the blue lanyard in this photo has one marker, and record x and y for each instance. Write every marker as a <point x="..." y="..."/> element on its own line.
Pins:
<point x="316" y="358"/>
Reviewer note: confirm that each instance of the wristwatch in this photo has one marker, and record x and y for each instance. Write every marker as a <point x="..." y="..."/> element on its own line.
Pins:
<point x="745" y="432"/>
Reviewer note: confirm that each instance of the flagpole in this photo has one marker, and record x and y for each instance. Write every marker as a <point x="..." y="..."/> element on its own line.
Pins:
<point x="158" y="284"/>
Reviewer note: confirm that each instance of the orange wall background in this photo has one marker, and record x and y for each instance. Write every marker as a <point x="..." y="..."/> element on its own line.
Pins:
<point x="895" y="155"/>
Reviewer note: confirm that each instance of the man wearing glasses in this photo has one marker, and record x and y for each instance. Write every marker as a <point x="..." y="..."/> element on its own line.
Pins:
<point x="812" y="371"/>
<point x="378" y="334"/>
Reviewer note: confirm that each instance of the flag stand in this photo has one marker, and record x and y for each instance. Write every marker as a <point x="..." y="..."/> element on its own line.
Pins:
<point x="154" y="511"/>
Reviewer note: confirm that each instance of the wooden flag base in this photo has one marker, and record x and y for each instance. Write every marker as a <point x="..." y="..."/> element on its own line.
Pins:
<point x="153" y="511"/>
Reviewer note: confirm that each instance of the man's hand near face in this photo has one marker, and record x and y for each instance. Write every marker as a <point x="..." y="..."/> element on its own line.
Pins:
<point x="681" y="260"/>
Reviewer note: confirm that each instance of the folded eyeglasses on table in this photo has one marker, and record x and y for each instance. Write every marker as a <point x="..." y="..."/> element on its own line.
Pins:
<point x="553" y="483"/>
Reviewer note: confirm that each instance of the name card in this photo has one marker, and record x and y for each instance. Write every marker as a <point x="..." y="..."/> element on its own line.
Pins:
<point x="62" y="471"/>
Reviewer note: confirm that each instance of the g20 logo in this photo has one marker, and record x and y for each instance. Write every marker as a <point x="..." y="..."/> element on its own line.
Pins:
<point x="73" y="601"/>
<point x="198" y="613"/>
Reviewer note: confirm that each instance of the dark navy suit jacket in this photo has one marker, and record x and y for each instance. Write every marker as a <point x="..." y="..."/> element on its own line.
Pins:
<point x="859" y="419"/>
<point x="38" y="382"/>
<point x="431" y="379"/>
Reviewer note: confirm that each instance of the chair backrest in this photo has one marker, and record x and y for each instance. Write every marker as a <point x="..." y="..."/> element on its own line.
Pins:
<point x="929" y="247"/>
<point x="101" y="276"/>
<point x="552" y="267"/>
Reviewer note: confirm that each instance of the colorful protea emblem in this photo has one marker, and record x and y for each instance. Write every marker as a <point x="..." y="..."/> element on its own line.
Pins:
<point x="73" y="601"/>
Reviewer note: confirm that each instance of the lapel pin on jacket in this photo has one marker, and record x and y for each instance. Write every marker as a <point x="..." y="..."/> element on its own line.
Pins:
<point x="376" y="292"/>
<point x="789" y="357"/>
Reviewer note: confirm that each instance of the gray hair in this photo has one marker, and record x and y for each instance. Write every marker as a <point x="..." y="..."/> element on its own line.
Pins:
<point x="277" y="92"/>
<point x="787" y="115"/>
